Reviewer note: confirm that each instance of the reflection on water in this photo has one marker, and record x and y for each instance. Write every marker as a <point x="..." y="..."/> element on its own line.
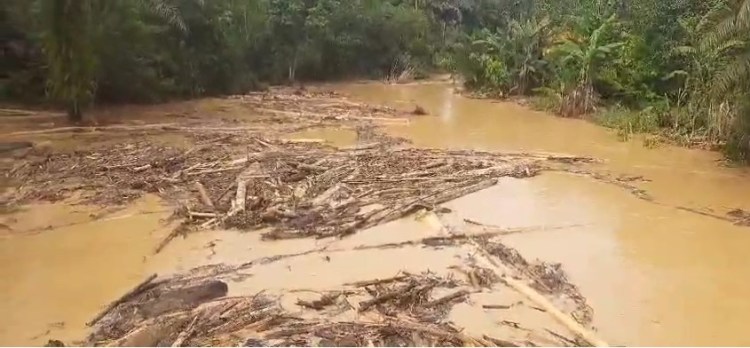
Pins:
<point x="446" y="111"/>
<point x="655" y="275"/>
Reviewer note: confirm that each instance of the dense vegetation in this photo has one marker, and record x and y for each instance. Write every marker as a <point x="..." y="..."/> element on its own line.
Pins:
<point x="680" y="68"/>
<point x="80" y="51"/>
<point x="677" y="67"/>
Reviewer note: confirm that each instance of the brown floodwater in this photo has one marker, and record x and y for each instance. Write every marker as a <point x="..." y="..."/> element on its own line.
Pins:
<point x="59" y="266"/>
<point x="325" y="265"/>
<point x="654" y="274"/>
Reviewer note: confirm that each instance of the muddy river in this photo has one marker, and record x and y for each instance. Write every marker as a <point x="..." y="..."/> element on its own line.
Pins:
<point x="654" y="272"/>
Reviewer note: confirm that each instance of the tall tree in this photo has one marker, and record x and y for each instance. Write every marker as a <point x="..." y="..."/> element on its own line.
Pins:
<point x="287" y="19"/>
<point x="70" y="55"/>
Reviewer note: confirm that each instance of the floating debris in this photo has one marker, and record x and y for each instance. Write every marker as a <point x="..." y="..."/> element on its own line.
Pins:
<point x="407" y="309"/>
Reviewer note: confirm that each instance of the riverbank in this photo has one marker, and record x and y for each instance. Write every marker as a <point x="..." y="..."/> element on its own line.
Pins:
<point x="651" y="126"/>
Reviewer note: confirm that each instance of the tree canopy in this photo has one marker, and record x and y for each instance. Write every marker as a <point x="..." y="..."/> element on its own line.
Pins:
<point x="679" y="67"/>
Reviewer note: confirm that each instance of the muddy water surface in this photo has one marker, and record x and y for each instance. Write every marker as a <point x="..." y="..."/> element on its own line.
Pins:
<point x="654" y="274"/>
<point x="59" y="265"/>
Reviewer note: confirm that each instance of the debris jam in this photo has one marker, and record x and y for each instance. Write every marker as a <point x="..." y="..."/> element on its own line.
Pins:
<point x="406" y="309"/>
<point x="252" y="173"/>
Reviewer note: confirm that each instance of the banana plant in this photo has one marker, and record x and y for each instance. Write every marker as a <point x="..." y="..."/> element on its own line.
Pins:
<point x="580" y="55"/>
<point x="528" y="40"/>
<point x="519" y="51"/>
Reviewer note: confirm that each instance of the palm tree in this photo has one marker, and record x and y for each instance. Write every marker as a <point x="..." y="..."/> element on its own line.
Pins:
<point x="730" y="83"/>
<point x="733" y="31"/>
<point x="74" y="31"/>
<point x="701" y="64"/>
<point x="69" y="52"/>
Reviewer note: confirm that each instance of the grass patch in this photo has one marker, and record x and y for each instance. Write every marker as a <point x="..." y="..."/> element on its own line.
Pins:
<point x="543" y="102"/>
<point x="628" y="122"/>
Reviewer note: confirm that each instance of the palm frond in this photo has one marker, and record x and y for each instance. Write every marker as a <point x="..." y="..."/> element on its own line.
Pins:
<point x="601" y="30"/>
<point x="167" y="11"/>
<point x="743" y="16"/>
<point x="712" y="17"/>
<point x="570" y="51"/>
<point x="735" y="21"/>
<point x="734" y="75"/>
<point x="684" y="50"/>
<point x="723" y="31"/>
<point x="730" y="44"/>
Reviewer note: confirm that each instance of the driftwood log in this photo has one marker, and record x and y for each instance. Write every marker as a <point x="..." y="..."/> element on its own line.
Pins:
<point x="132" y="292"/>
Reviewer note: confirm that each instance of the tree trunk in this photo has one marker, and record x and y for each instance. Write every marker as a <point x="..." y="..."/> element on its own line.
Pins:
<point x="74" y="112"/>
<point x="293" y="68"/>
<point x="444" y="29"/>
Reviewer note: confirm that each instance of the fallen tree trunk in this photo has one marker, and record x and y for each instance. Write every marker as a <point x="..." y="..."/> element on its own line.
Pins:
<point x="448" y="298"/>
<point x="326" y="195"/>
<point x="365" y="305"/>
<point x="376" y="281"/>
<point x="134" y="291"/>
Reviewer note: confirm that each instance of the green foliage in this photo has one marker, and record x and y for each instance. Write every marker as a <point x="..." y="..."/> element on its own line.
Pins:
<point x="151" y="50"/>
<point x="628" y="122"/>
<point x="70" y="54"/>
<point x="579" y="59"/>
<point x="679" y="68"/>
<point x="738" y="139"/>
<point x="508" y="63"/>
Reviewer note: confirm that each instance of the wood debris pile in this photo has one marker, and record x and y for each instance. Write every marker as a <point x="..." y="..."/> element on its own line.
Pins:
<point x="407" y="309"/>
<point x="299" y="188"/>
<point x="250" y="174"/>
<point x="258" y="321"/>
<point x="320" y="105"/>
<point x="325" y="193"/>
